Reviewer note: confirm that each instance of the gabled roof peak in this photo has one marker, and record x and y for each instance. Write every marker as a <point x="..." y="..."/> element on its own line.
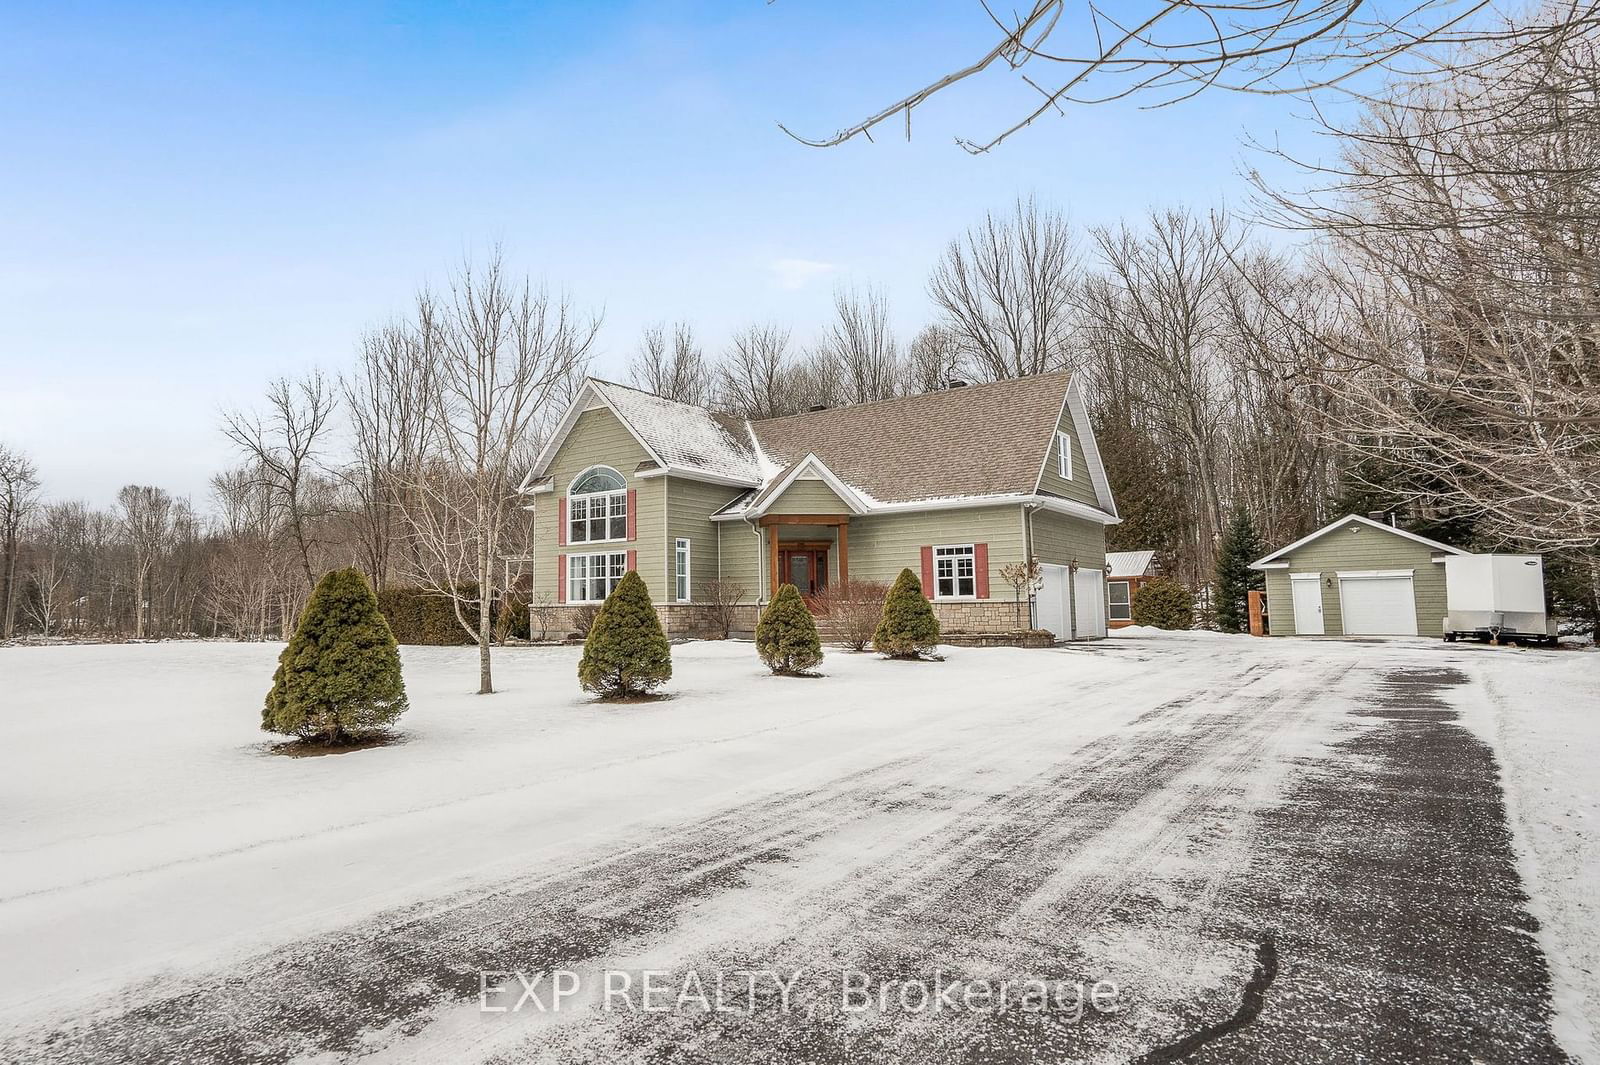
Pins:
<point x="1347" y="521"/>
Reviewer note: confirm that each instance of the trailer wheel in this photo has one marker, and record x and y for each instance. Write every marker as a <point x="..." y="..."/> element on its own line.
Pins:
<point x="1449" y="637"/>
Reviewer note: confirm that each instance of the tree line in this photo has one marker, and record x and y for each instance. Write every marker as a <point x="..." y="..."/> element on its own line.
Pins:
<point x="1427" y="344"/>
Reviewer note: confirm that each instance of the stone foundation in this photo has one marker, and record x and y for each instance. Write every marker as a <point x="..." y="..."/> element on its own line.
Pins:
<point x="680" y="620"/>
<point x="694" y="621"/>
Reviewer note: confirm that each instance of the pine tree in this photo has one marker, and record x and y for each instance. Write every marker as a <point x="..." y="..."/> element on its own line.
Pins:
<point x="908" y="628"/>
<point x="339" y="677"/>
<point x="626" y="652"/>
<point x="1241" y="545"/>
<point x="786" y="635"/>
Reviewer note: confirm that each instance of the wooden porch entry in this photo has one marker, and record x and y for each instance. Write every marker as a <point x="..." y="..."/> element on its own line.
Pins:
<point x="804" y="563"/>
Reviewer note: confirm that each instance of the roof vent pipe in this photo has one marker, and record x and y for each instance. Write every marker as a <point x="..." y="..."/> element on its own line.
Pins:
<point x="816" y="407"/>
<point x="955" y="382"/>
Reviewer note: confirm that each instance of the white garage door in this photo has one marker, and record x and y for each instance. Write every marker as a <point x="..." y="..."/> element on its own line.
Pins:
<point x="1379" y="604"/>
<point x="1053" y="603"/>
<point x="1089" y="602"/>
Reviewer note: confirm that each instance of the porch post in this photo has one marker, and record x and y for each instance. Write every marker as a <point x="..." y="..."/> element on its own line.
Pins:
<point x="772" y="542"/>
<point x="844" y="551"/>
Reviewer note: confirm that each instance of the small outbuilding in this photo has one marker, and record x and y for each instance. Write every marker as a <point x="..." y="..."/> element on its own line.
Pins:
<point x="1357" y="577"/>
<point x="1125" y="572"/>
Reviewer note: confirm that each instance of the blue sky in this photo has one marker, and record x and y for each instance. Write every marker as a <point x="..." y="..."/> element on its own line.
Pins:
<point x="198" y="198"/>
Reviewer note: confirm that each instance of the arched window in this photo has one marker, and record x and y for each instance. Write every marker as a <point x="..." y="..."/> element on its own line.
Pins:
<point x="597" y="506"/>
<point x="596" y="479"/>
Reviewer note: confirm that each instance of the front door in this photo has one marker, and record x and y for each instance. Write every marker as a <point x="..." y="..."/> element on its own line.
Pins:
<point x="805" y="568"/>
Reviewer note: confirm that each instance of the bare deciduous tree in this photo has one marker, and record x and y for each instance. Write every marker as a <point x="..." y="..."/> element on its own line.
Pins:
<point x="500" y="355"/>
<point x="54" y="538"/>
<point x="284" y="448"/>
<point x="857" y="351"/>
<point x="932" y="361"/>
<point x="1159" y="312"/>
<point x="1459" y="251"/>
<point x="19" y="495"/>
<point x="386" y="397"/>
<point x="1006" y="292"/>
<point x="755" y="378"/>
<point x="1164" y="51"/>
<point x="147" y="524"/>
<point x="672" y="367"/>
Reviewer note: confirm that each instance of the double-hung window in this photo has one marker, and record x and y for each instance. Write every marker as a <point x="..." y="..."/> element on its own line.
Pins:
<point x="590" y="578"/>
<point x="681" y="586"/>
<point x="1063" y="456"/>
<point x="955" y="572"/>
<point x="597" y="507"/>
<point x="1121" y="602"/>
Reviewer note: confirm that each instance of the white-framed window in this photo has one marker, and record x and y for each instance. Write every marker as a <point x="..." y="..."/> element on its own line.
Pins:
<point x="955" y="572"/>
<point x="1120" y="601"/>
<point x="597" y="507"/>
<point x="590" y="578"/>
<point x="682" y="570"/>
<point x="1064" y="455"/>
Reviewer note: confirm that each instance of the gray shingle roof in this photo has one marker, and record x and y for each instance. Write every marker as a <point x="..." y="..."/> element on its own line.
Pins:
<point x="685" y="436"/>
<point x="980" y="440"/>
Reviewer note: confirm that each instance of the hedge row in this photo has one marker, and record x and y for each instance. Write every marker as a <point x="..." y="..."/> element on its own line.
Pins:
<point x="416" y="617"/>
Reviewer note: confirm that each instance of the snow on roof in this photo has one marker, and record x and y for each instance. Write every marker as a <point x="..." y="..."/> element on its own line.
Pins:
<point x="684" y="436"/>
<point x="1129" y="563"/>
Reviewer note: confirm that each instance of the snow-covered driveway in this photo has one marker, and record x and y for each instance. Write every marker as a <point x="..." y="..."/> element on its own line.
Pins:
<point x="1275" y="850"/>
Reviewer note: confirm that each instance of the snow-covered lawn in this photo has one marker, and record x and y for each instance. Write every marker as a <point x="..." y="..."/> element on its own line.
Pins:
<point x="1542" y="716"/>
<point x="150" y="836"/>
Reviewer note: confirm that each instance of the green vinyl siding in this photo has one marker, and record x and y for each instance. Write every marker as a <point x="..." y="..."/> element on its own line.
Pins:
<point x="690" y="505"/>
<point x="808" y="495"/>
<point x="1062" y="540"/>
<point x="1364" y="549"/>
<point x="598" y="438"/>
<point x="1080" y="488"/>
<point x="740" y="551"/>
<point x="881" y="545"/>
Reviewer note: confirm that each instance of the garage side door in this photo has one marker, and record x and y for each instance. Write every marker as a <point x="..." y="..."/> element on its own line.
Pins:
<point x="1378" y="604"/>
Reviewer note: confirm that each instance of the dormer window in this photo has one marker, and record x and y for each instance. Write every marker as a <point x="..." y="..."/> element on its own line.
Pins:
<point x="597" y="507"/>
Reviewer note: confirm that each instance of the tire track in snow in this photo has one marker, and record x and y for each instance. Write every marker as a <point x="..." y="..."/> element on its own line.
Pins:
<point x="982" y="839"/>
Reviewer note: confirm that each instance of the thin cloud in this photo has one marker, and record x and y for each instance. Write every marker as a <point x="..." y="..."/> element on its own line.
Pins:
<point x="793" y="274"/>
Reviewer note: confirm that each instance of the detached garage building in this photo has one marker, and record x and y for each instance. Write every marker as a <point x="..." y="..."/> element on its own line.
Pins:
<point x="1357" y="577"/>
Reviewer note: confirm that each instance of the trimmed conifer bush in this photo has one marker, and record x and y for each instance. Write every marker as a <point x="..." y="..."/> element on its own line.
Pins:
<point x="338" y="679"/>
<point x="1164" y="604"/>
<point x="908" y="628"/>
<point x="626" y="652"/>
<point x="786" y="635"/>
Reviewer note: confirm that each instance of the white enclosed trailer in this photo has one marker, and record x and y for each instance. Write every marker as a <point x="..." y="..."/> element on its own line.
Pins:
<point x="1496" y="597"/>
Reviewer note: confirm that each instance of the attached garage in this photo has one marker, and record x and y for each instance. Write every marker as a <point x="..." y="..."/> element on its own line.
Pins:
<point x="1357" y="577"/>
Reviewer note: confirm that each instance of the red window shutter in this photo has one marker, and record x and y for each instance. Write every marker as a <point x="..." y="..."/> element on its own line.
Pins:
<point x="633" y="511"/>
<point x="927" y="572"/>
<point x="561" y="521"/>
<point x="633" y="556"/>
<point x="980" y="568"/>
<point x="561" y="578"/>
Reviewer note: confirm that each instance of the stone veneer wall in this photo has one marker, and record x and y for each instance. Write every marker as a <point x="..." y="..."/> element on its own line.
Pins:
<point x="680" y="620"/>
<point x="990" y="615"/>
<point x="688" y="620"/>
